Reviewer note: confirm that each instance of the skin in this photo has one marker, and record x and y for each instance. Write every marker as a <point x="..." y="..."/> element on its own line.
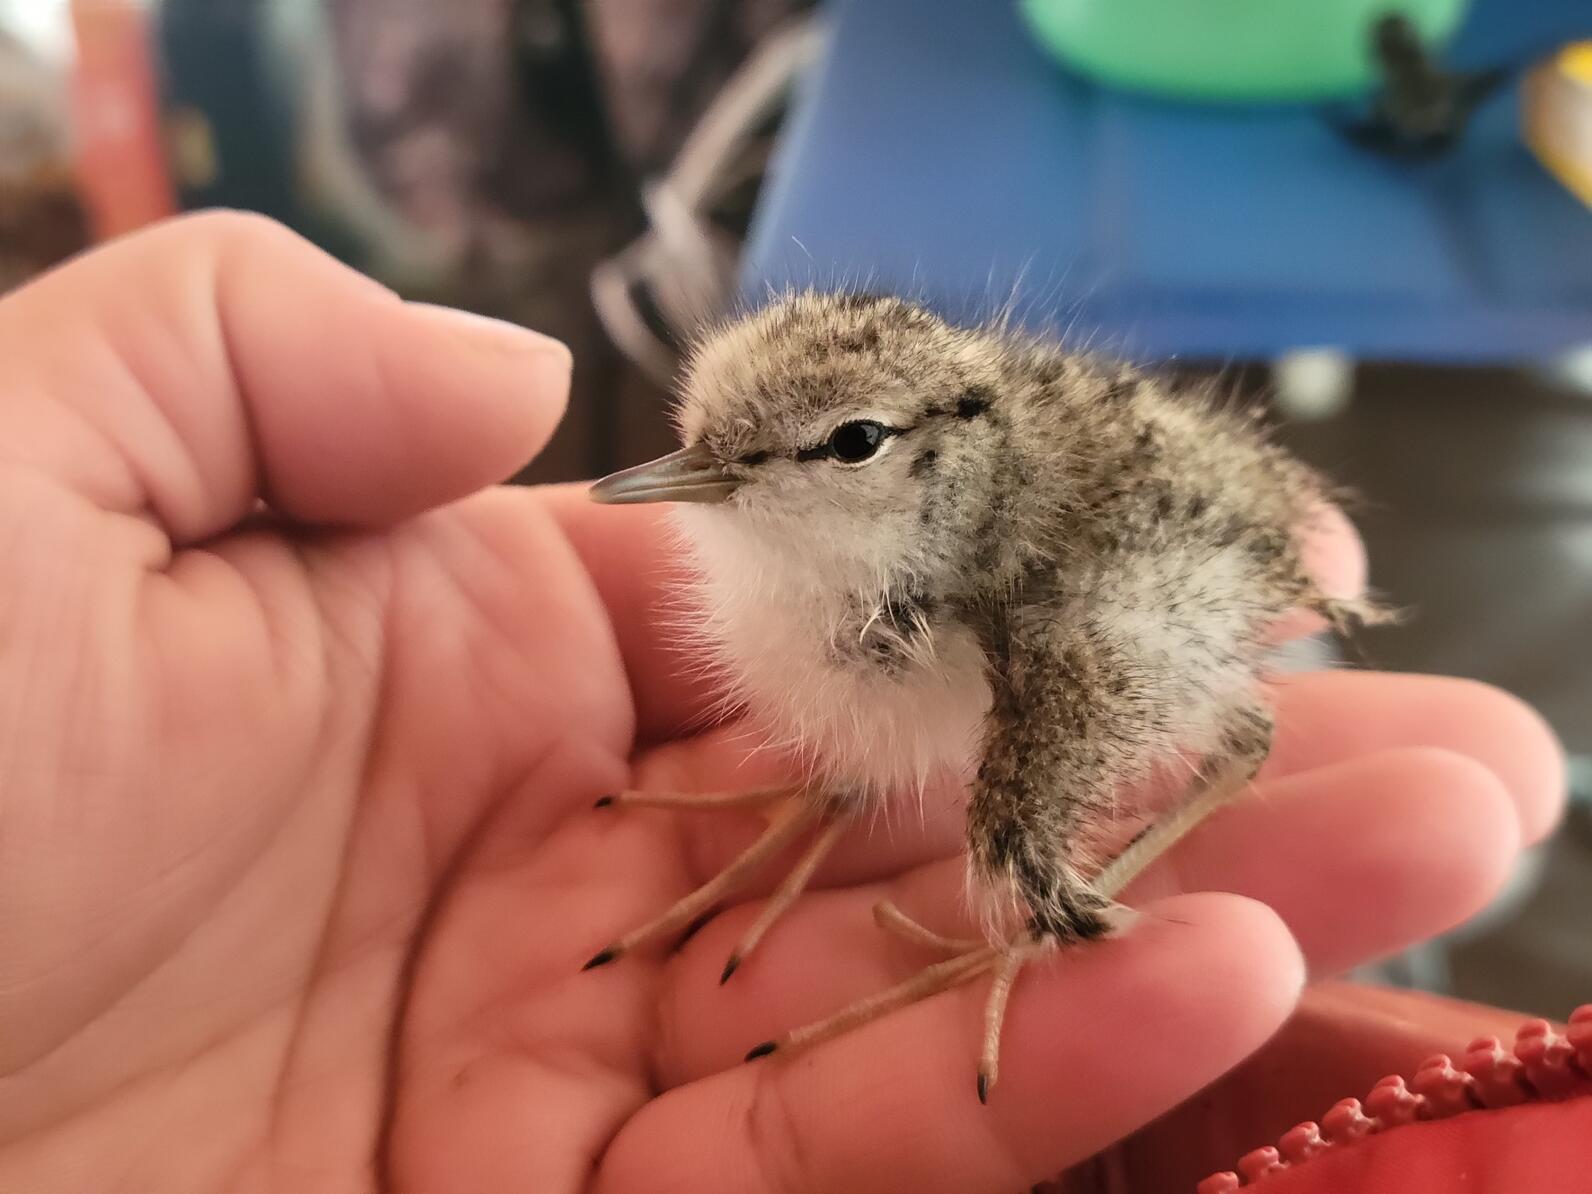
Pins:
<point x="297" y="858"/>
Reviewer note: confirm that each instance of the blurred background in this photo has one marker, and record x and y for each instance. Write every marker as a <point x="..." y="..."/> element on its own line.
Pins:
<point x="1374" y="216"/>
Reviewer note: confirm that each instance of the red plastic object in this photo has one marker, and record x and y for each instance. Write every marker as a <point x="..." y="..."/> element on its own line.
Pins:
<point x="1447" y="1090"/>
<point x="1544" y="1067"/>
<point x="1548" y="1058"/>
<point x="1500" y="1075"/>
<point x="1258" y="1164"/>
<point x="1580" y="1037"/>
<point x="1347" y="1122"/>
<point x="1393" y="1104"/>
<point x="1301" y="1143"/>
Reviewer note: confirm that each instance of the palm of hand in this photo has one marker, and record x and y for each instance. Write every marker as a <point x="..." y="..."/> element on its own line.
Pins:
<point x="297" y="861"/>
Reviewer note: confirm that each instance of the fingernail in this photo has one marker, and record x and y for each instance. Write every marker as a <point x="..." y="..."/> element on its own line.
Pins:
<point x="1331" y="552"/>
<point x="497" y="335"/>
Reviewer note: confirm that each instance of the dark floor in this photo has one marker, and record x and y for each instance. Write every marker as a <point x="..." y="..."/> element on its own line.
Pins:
<point x="1478" y="517"/>
<point x="1477" y="514"/>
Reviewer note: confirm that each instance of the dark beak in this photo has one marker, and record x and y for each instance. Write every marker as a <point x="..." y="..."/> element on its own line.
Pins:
<point x="689" y="475"/>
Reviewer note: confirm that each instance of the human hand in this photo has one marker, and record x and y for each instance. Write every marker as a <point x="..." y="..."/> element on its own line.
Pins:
<point x="297" y="857"/>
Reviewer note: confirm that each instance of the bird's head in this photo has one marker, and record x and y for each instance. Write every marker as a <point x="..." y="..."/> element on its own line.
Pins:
<point x="854" y="436"/>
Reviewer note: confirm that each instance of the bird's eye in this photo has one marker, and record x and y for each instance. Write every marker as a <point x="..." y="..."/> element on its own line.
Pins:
<point x="856" y="442"/>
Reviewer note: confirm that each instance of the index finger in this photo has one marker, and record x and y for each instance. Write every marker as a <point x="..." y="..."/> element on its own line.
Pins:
<point x="638" y="565"/>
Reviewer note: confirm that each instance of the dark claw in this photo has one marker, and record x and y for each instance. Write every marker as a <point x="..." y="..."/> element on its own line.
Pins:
<point x="692" y="929"/>
<point x="602" y="959"/>
<point x="604" y="801"/>
<point x="730" y="968"/>
<point x="983" y="1089"/>
<point x="762" y="1050"/>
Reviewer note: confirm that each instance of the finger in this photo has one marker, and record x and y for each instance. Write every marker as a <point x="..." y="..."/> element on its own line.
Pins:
<point x="1359" y="860"/>
<point x="1323" y="718"/>
<point x="1329" y="716"/>
<point x="1332" y="553"/>
<point x="213" y="361"/>
<point x="637" y="564"/>
<point x="1334" y="557"/>
<point x="1097" y="1042"/>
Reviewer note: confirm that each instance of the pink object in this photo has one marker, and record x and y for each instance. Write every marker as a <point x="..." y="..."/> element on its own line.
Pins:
<point x="1392" y="1102"/>
<point x="1259" y="1164"/>
<point x="1548" y="1058"/>
<point x="1447" y="1091"/>
<point x="1499" y="1074"/>
<point x="1302" y="1142"/>
<point x="1346" y="1122"/>
<point x="1544" y="1065"/>
<point x="1580" y="1036"/>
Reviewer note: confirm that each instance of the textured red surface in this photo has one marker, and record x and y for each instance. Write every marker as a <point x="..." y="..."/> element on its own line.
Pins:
<point x="1499" y="1121"/>
<point x="1537" y="1148"/>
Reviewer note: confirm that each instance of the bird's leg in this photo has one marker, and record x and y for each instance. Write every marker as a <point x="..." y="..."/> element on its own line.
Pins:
<point x="793" y="813"/>
<point x="1246" y="745"/>
<point x="931" y="980"/>
<point x="1000" y="990"/>
<point x="969" y="959"/>
<point x="702" y="801"/>
<point x="1149" y="844"/>
<point x="784" y="896"/>
<point x="892" y="920"/>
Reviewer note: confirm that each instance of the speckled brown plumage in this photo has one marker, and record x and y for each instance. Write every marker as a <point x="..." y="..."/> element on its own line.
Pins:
<point x="1117" y="550"/>
<point x="927" y="551"/>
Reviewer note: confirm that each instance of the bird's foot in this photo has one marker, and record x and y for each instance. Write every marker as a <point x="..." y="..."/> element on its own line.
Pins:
<point x="791" y="813"/>
<point x="967" y="960"/>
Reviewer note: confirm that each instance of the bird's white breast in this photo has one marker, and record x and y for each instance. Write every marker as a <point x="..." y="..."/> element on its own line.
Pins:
<point x="776" y="617"/>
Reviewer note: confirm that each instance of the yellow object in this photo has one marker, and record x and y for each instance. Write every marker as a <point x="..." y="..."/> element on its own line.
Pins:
<point x="1557" y="109"/>
<point x="1576" y="61"/>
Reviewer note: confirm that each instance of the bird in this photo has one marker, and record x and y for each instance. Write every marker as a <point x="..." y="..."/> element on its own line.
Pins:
<point x="925" y="552"/>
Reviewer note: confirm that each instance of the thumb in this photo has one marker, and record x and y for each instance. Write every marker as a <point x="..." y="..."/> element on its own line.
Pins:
<point x="194" y="369"/>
